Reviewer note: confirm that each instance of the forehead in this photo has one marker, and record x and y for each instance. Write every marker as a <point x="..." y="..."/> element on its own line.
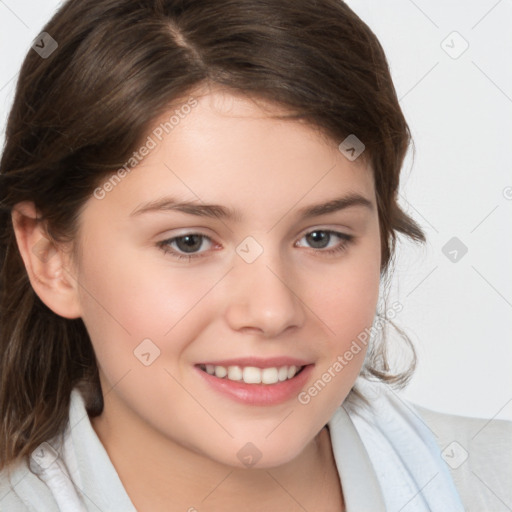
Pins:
<point x="230" y="150"/>
<point x="225" y="129"/>
<point x="240" y="114"/>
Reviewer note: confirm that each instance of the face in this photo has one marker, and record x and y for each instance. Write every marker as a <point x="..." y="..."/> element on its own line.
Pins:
<point x="172" y="288"/>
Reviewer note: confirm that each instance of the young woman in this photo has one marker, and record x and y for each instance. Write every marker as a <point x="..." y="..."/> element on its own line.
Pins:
<point x="199" y="210"/>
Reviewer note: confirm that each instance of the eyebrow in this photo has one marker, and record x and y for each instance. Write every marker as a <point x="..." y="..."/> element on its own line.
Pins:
<point x="221" y="212"/>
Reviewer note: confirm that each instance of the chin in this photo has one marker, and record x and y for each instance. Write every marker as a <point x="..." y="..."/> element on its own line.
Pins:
<point x="264" y="453"/>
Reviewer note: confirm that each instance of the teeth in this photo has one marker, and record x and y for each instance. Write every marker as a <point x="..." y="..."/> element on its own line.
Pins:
<point x="235" y="373"/>
<point x="220" y="372"/>
<point x="269" y="376"/>
<point x="251" y="374"/>
<point x="282" y="374"/>
<point x="292" y="371"/>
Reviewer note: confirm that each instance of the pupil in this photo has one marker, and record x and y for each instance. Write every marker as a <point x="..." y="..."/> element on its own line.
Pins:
<point x="191" y="243"/>
<point x="316" y="237"/>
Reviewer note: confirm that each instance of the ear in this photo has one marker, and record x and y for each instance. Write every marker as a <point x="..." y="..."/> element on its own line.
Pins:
<point x="48" y="265"/>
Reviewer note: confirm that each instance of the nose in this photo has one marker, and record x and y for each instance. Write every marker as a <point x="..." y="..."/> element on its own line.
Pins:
<point x="262" y="297"/>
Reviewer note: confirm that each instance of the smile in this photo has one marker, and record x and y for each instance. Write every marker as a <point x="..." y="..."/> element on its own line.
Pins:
<point x="254" y="386"/>
<point x="252" y="374"/>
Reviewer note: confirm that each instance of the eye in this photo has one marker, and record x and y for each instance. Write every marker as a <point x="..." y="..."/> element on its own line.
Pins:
<point x="185" y="246"/>
<point x="188" y="246"/>
<point x="321" y="239"/>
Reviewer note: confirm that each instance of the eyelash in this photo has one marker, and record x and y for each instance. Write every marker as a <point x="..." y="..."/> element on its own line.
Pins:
<point x="164" y="245"/>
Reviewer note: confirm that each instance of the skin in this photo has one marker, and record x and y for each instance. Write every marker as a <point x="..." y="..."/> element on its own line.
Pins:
<point x="172" y="439"/>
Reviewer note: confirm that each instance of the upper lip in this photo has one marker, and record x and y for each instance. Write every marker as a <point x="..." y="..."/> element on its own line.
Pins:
<point x="259" y="362"/>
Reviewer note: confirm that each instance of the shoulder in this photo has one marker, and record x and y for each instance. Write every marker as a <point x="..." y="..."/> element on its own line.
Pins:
<point x="26" y="485"/>
<point x="478" y="453"/>
<point x="11" y="482"/>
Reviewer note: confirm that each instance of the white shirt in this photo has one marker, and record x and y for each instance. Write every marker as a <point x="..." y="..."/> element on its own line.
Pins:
<point x="391" y="456"/>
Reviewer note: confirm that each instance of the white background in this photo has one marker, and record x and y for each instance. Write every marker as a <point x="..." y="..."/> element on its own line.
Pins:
<point x="458" y="314"/>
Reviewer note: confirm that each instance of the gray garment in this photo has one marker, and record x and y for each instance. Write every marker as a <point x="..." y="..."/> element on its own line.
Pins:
<point x="483" y="479"/>
<point x="479" y="455"/>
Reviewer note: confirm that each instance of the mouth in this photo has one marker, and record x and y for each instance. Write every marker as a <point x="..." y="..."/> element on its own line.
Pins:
<point x="252" y="385"/>
<point x="253" y="374"/>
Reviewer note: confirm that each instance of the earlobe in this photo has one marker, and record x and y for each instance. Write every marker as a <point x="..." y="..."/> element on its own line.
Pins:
<point x="46" y="262"/>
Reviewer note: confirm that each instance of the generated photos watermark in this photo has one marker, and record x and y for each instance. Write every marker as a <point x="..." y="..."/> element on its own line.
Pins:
<point x="342" y="360"/>
<point x="156" y="136"/>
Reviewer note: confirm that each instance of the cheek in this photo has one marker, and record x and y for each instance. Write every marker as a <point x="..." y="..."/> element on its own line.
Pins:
<point x="345" y="300"/>
<point x="129" y="297"/>
<point x="139" y="296"/>
<point x="349" y="302"/>
<point x="345" y="295"/>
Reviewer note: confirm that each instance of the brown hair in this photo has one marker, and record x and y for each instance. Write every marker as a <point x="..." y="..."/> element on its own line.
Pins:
<point x="79" y="113"/>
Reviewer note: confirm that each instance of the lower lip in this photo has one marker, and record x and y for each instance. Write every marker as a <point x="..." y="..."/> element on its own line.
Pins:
<point x="259" y="394"/>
